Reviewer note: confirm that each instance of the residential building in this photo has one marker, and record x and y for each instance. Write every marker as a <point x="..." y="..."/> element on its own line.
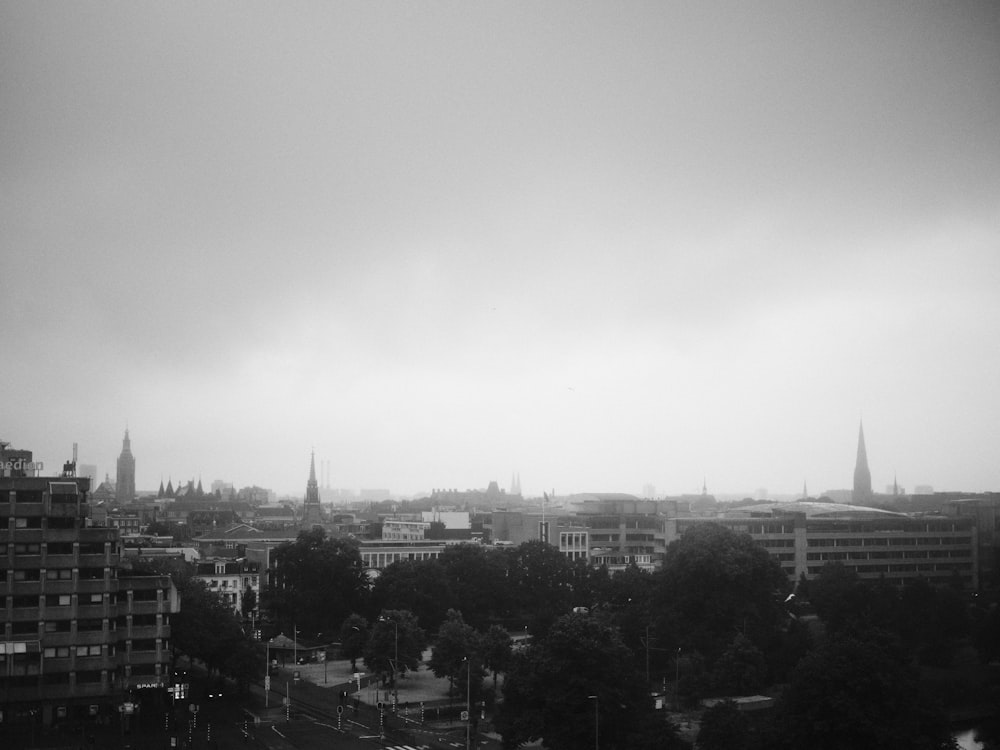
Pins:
<point x="230" y="580"/>
<point x="78" y="634"/>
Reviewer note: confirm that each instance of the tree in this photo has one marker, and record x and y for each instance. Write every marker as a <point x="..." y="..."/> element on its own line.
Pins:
<point x="456" y="648"/>
<point x="477" y="579"/>
<point x="420" y="586"/>
<point x="207" y="630"/>
<point x="496" y="645"/>
<point x="542" y="576"/>
<point x="714" y="583"/>
<point x="317" y="582"/>
<point x="396" y="643"/>
<point x="555" y="685"/>
<point x="858" y="691"/>
<point x="353" y="635"/>
<point x="740" y="670"/>
<point x="248" y="601"/>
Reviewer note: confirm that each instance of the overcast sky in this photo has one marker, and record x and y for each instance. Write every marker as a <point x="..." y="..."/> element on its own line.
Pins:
<point x="601" y="245"/>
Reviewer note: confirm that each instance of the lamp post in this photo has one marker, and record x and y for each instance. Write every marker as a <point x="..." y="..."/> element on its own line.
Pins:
<point x="677" y="679"/>
<point x="597" y="703"/>
<point x="395" y="642"/>
<point x="468" y="702"/>
<point x="267" y="672"/>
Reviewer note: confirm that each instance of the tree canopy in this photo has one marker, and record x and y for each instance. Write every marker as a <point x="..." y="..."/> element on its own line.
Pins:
<point x="579" y="676"/>
<point x="317" y="582"/>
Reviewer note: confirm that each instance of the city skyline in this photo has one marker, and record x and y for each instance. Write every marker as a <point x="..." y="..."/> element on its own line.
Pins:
<point x="601" y="246"/>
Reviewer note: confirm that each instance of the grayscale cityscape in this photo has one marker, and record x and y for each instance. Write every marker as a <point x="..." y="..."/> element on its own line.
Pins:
<point x="442" y="375"/>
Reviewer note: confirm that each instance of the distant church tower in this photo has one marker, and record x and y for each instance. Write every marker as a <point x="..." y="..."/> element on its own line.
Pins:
<point x="311" y="509"/>
<point x="125" y="486"/>
<point x="862" y="476"/>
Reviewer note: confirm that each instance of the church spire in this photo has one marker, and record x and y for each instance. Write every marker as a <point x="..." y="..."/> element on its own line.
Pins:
<point x="862" y="475"/>
<point x="311" y="509"/>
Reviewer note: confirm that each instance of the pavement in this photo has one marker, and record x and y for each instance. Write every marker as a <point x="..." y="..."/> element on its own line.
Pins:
<point x="412" y="687"/>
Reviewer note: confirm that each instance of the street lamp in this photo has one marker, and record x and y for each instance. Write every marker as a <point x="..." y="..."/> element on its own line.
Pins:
<point x="267" y="672"/>
<point x="395" y="640"/>
<point x="468" y="701"/>
<point x="677" y="679"/>
<point x="597" y="703"/>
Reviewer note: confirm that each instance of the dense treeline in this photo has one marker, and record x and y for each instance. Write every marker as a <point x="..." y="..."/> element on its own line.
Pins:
<point x="715" y="620"/>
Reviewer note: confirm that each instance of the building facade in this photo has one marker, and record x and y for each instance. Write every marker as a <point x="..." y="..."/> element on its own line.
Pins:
<point x="805" y="536"/>
<point x="77" y="634"/>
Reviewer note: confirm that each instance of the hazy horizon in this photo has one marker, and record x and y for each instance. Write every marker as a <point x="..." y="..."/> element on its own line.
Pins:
<point x="596" y="245"/>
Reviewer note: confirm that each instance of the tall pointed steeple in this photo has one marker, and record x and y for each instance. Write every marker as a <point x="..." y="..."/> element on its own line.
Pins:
<point x="862" y="475"/>
<point x="311" y="509"/>
<point x="125" y="484"/>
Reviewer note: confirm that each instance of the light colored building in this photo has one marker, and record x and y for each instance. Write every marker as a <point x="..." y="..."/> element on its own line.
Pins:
<point x="230" y="580"/>
<point x="805" y="536"/>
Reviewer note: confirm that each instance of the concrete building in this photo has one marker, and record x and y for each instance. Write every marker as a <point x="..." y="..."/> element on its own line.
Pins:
<point x="78" y="635"/>
<point x="805" y="536"/>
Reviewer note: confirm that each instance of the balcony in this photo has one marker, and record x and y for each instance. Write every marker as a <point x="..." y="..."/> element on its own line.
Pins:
<point x="138" y="632"/>
<point x="62" y="535"/>
<point x="58" y="587"/>
<point x="21" y="614"/>
<point x="92" y="638"/>
<point x="93" y="561"/>
<point x="95" y="586"/>
<point x="146" y="608"/>
<point x="59" y="510"/>
<point x="90" y="663"/>
<point x="54" y="665"/>
<point x="91" y="611"/>
<point x="21" y="535"/>
<point x="143" y="657"/>
<point x="99" y="534"/>
<point x="58" y="639"/>
<point x="21" y="588"/>
<point x="59" y="561"/>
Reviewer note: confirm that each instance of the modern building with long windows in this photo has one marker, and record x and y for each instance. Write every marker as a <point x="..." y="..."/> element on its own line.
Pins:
<point x="80" y="638"/>
<point x="805" y="536"/>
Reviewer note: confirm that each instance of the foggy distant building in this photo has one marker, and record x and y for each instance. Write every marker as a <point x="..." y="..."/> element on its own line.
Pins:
<point x="312" y="511"/>
<point x="125" y="484"/>
<point x="88" y="471"/>
<point x="862" y="476"/>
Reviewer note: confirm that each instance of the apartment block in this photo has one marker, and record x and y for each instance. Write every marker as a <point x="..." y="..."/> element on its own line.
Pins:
<point x="80" y="638"/>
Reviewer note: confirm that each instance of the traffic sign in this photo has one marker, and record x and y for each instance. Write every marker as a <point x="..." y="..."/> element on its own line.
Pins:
<point x="465" y="715"/>
<point x="267" y="682"/>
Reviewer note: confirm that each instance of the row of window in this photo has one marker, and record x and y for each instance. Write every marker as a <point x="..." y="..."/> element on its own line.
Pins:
<point x="53" y="600"/>
<point x="36" y="522"/>
<point x="28" y="627"/>
<point x="882" y="541"/>
<point x="63" y="574"/>
<point x="58" y="548"/>
<point x="917" y="555"/>
<point x="903" y="568"/>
